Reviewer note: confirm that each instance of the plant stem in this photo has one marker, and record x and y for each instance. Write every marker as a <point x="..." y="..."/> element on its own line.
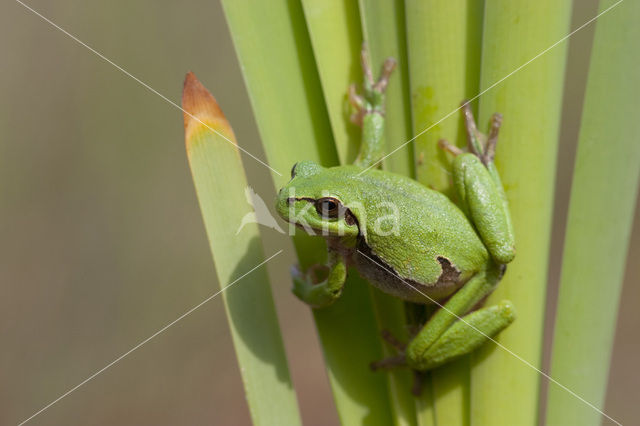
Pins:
<point x="504" y="390"/>
<point x="604" y="189"/>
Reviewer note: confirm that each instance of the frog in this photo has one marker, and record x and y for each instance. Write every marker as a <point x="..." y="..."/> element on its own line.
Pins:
<point x="406" y="239"/>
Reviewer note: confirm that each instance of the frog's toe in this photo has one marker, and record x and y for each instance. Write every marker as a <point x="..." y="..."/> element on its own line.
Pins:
<point x="296" y="272"/>
<point x="387" y="68"/>
<point x="418" y="383"/>
<point x="300" y="286"/>
<point x="447" y="146"/>
<point x="393" y="340"/>
<point x="317" y="273"/>
<point x="302" y="282"/>
<point x="389" y="363"/>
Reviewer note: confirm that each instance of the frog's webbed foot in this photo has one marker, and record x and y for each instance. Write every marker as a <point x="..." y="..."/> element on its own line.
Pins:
<point x="398" y="361"/>
<point x="372" y="98"/>
<point x="395" y="361"/>
<point x="389" y="363"/>
<point x="320" y="285"/>
<point x="483" y="146"/>
<point x="388" y="66"/>
<point x="492" y="140"/>
<point x="369" y="110"/>
<point x="393" y="341"/>
<point x="418" y="382"/>
<point x="450" y="148"/>
<point x="357" y="103"/>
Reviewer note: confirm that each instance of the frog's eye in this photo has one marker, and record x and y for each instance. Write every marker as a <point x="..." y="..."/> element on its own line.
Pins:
<point x="293" y="171"/>
<point x="328" y="207"/>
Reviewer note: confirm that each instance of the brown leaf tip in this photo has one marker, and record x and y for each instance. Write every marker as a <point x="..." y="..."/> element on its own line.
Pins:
<point x="200" y="109"/>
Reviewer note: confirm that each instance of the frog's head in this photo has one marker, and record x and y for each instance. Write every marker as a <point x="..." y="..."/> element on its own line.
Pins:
<point x="312" y="200"/>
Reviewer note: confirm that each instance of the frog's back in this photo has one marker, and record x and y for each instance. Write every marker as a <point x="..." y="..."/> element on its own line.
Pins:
<point x="416" y="231"/>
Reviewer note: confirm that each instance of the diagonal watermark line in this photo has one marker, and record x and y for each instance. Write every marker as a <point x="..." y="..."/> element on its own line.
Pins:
<point x="145" y="85"/>
<point x="190" y="311"/>
<point x="148" y="87"/>
<point x="551" y="379"/>
<point x="495" y="84"/>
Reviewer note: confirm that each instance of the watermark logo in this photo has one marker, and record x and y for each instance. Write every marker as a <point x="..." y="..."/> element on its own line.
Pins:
<point x="260" y="213"/>
<point x="325" y="216"/>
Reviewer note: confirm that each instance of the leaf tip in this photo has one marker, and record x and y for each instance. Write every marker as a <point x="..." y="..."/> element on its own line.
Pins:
<point x="201" y="111"/>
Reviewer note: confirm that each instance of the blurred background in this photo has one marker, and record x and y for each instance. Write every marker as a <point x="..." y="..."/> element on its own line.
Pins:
<point x="101" y="239"/>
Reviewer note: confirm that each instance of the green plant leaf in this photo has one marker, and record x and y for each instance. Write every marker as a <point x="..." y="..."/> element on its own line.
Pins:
<point x="504" y="390"/>
<point x="334" y="30"/>
<point x="383" y="30"/>
<point x="444" y="44"/>
<point x="274" y="49"/>
<point x="603" y="194"/>
<point x="220" y="184"/>
<point x="383" y="27"/>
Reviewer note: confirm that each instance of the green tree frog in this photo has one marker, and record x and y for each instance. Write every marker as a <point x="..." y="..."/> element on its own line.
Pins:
<point x="406" y="239"/>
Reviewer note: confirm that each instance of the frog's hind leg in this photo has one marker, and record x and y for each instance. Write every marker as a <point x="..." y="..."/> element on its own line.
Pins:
<point x="453" y="331"/>
<point x="466" y="335"/>
<point x="369" y="110"/>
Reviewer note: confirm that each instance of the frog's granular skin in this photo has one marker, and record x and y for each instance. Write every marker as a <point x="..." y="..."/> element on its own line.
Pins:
<point x="388" y="281"/>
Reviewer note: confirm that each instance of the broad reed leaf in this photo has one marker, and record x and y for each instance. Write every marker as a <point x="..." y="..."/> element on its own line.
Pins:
<point x="383" y="31"/>
<point x="603" y="194"/>
<point x="444" y="45"/>
<point x="504" y="390"/>
<point x="334" y="30"/>
<point x="275" y="52"/>
<point x="221" y="187"/>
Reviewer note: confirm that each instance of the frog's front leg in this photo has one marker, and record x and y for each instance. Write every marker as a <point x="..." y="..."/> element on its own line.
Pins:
<point x="320" y="294"/>
<point x="480" y="190"/>
<point x="370" y="111"/>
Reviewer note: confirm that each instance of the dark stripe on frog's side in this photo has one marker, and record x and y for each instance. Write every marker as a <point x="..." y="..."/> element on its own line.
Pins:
<point x="381" y="277"/>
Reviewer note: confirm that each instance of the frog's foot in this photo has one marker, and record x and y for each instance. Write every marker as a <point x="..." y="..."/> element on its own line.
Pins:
<point x="389" y="363"/>
<point x="393" y="341"/>
<point x="395" y="361"/>
<point x="481" y="145"/>
<point x="398" y="361"/>
<point x="372" y="98"/>
<point x="357" y="103"/>
<point x="418" y="383"/>
<point x="320" y="286"/>
<point x="447" y="146"/>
